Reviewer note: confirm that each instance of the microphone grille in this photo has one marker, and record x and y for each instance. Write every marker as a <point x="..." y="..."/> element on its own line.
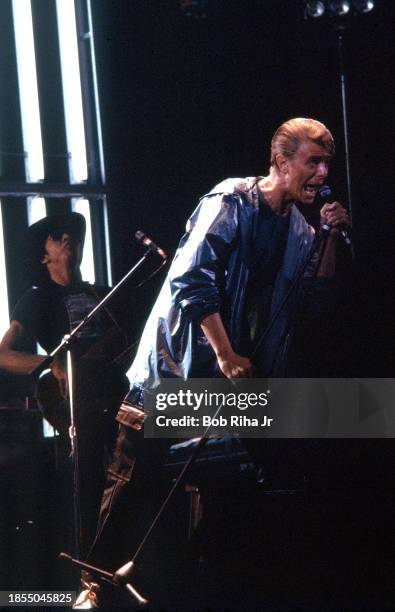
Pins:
<point x="139" y="235"/>
<point x="325" y="191"/>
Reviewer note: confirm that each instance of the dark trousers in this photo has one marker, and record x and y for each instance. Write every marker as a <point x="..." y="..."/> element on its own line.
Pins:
<point x="128" y="504"/>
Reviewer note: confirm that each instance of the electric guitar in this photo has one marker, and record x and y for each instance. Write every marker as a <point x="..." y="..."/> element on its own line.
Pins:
<point x="98" y="374"/>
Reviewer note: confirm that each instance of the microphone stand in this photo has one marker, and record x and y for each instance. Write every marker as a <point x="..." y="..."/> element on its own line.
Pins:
<point x="344" y="92"/>
<point x="120" y="578"/>
<point x="74" y="451"/>
<point x="65" y="345"/>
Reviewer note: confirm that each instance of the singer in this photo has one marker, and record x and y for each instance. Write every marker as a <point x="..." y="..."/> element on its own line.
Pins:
<point x="230" y="280"/>
<point x="240" y="255"/>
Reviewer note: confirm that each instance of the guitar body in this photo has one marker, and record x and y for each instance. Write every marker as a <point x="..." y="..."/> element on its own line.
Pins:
<point x="98" y="374"/>
<point x="53" y="406"/>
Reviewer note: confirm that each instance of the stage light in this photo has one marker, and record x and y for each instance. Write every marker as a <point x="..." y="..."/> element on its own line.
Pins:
<point x="198" y="9"/>
<point x="4" y="313"/>
<point x="314" y="9"/>
<point x="82" y="206"/>
<point x="363" y="6"/>
<point x="72" y="95"/>
<point x="339" y="8"/>
<point x="28" y="90"/>
<point x="36" y="209"/>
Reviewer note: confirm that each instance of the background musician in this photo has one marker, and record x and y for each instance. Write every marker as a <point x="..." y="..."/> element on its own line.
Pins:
<point x="52" y="307"/>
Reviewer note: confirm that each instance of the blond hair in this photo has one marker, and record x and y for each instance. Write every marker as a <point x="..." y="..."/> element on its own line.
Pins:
<point x="292" y="133"/>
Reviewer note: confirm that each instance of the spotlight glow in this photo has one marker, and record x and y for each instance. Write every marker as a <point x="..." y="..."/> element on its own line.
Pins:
<point x="314" y="9"/>
<point x="363" y="6"/>
<point x="339" y="7"/>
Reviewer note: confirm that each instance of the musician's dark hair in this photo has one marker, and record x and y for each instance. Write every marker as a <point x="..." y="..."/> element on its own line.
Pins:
<point x="37" y="234"/>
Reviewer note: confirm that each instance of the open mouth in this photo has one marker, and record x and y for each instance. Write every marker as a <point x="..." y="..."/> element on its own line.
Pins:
<point x="311" y="188"/>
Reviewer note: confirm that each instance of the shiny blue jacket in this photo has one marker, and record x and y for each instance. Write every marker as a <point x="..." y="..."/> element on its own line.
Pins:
<point x="209" y="273"/>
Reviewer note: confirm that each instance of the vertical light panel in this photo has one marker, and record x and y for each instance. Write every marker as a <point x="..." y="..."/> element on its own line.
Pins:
<point x="107" y="241"/>
<point x="36" y="209"/>
<point x="4" y="312"/>
<point x="72" y="96"/>
<point x="95" y="90"/>
<point x="81" y="205"/>
<point x="28" y="93"/>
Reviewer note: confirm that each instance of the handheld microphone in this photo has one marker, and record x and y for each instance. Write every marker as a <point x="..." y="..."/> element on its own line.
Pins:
<point x="326" y="195"/>
<point x="146" y="241"/>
